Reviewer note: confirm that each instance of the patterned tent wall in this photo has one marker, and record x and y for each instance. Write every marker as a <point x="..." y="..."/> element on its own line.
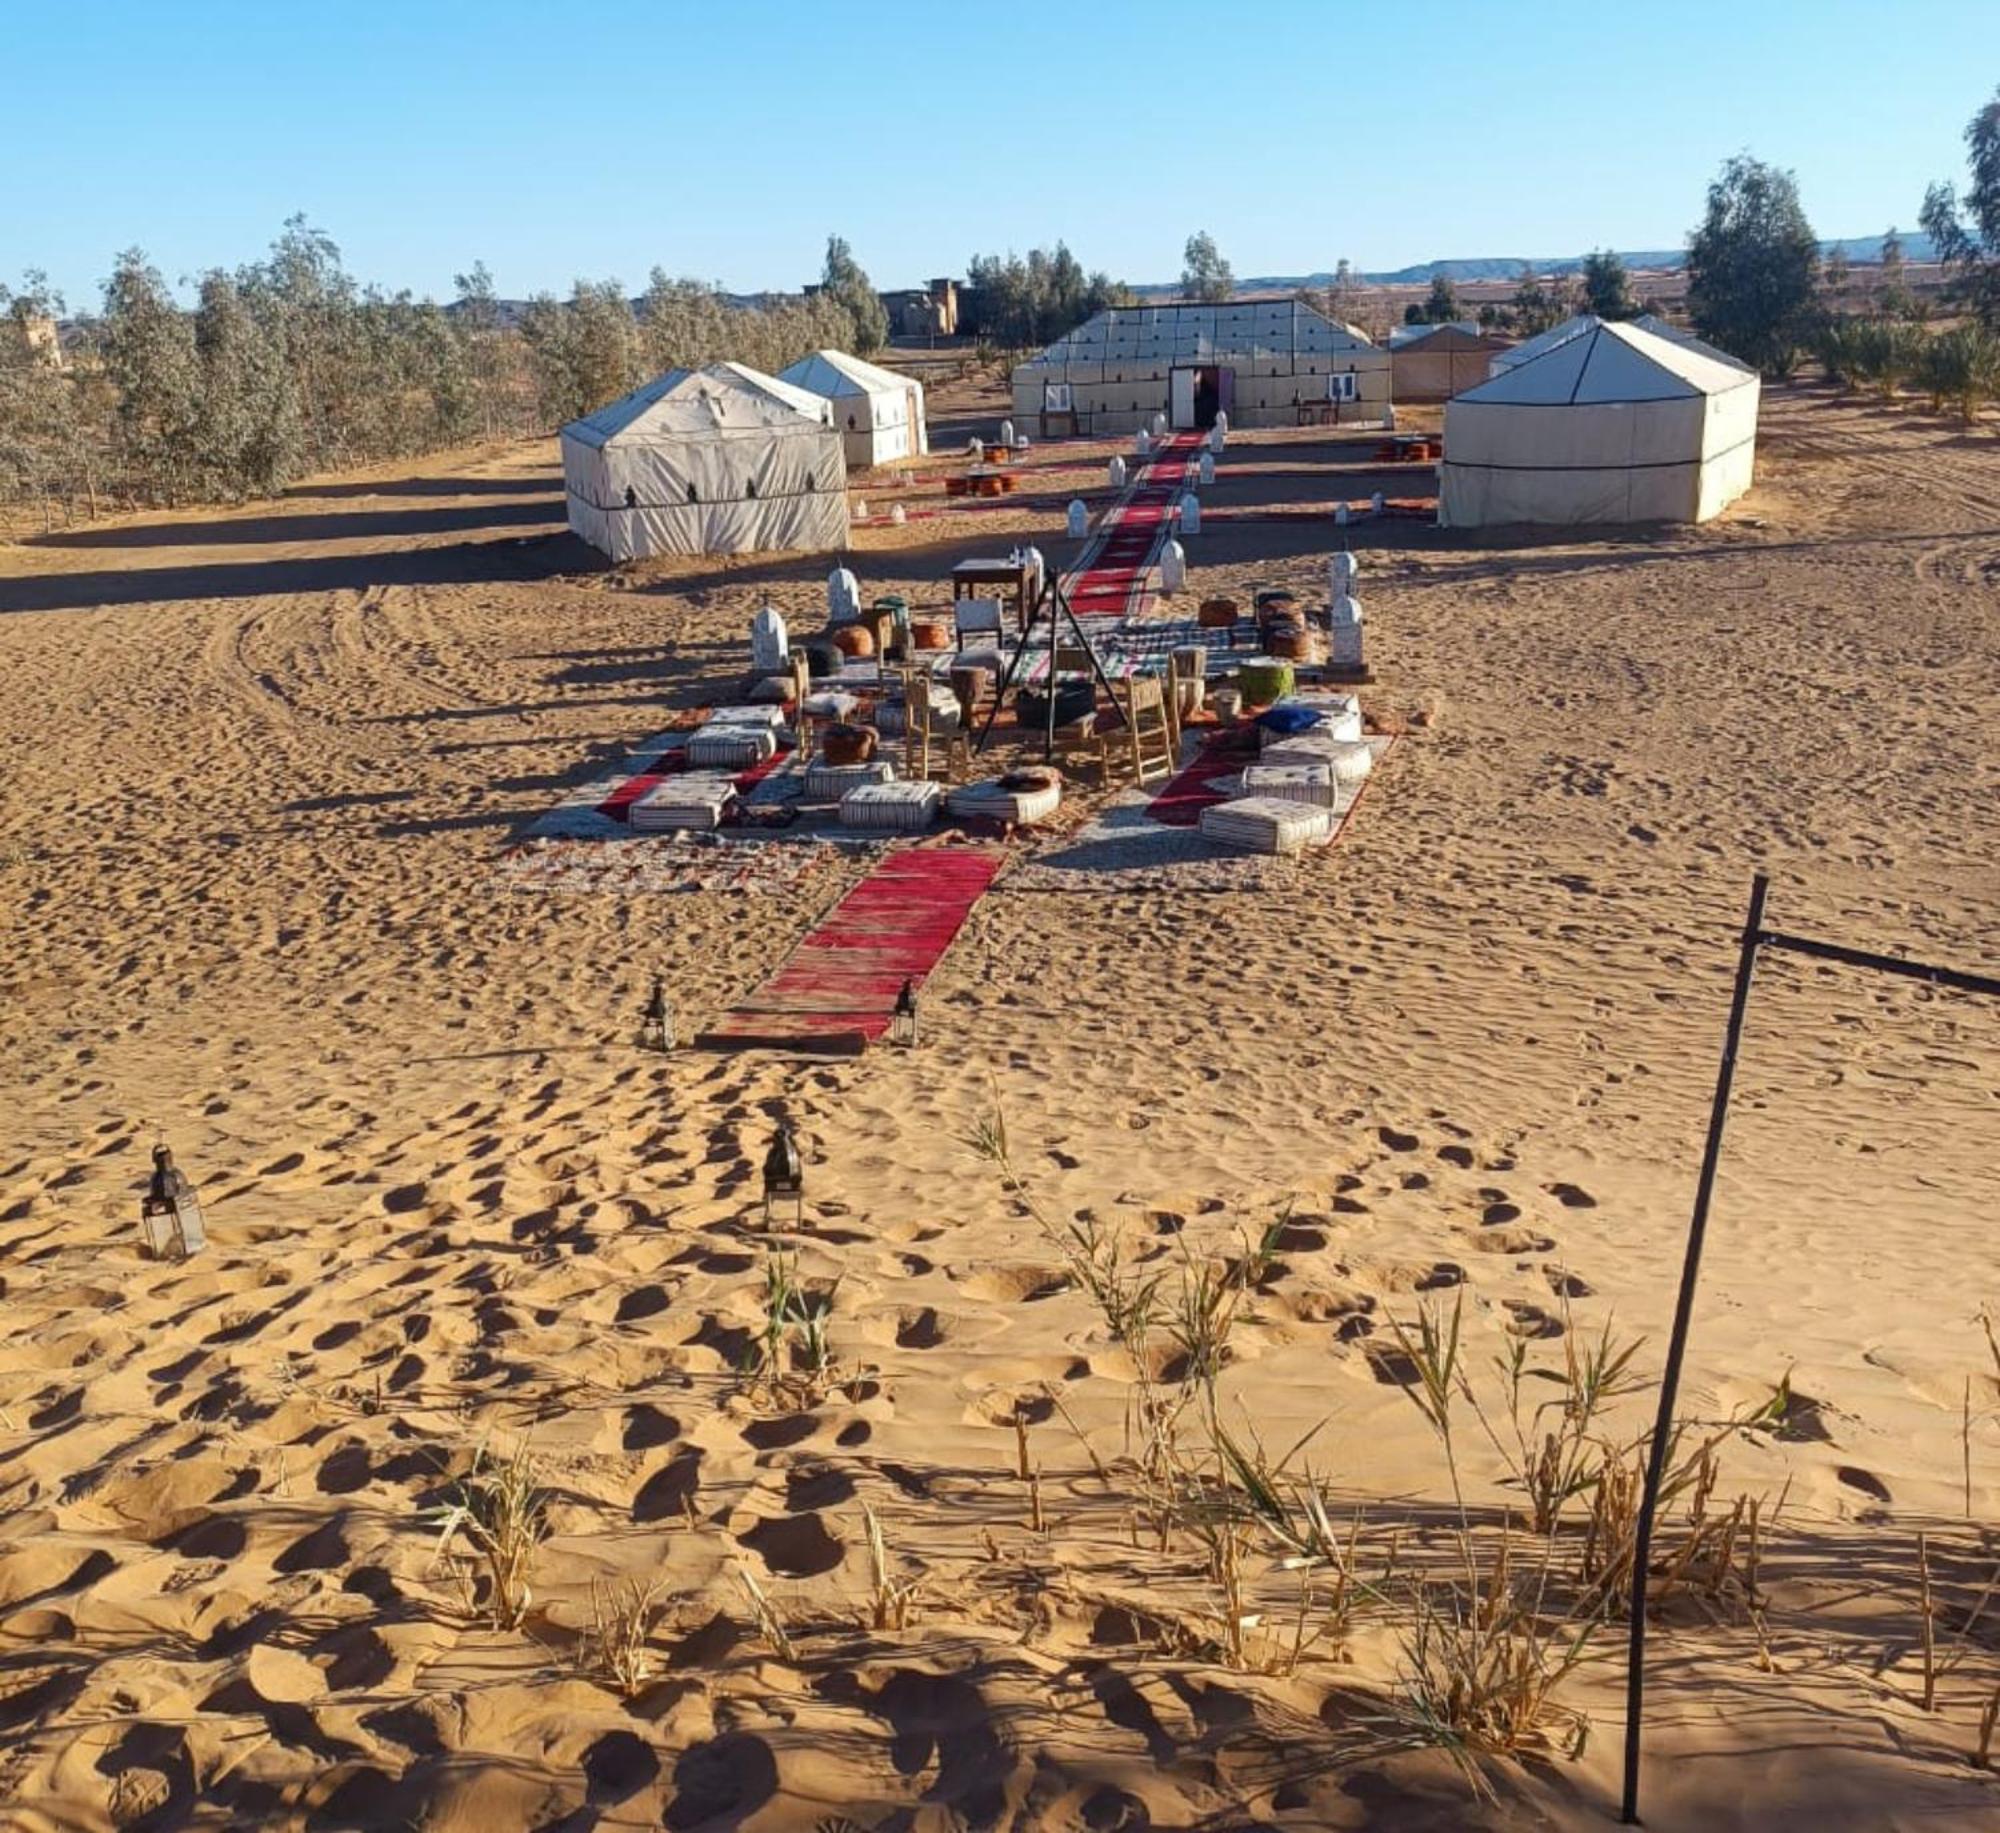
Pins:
<point x="1118" y="367"/>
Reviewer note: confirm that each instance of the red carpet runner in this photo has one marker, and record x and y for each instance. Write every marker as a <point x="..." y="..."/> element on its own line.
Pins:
<point x="837" y="992"/>
<point x="835" y="995"/>
<point x="1119" y="564"/>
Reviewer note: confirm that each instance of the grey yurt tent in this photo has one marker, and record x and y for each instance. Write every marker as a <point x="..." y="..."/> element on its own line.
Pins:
<point x="1268" y="362"/>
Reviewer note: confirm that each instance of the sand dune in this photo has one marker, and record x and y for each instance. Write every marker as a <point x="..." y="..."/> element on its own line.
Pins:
<point x="264" y="767"/>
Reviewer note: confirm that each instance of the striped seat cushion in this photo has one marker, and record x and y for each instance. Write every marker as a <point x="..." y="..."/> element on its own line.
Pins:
<point x="826" y="782"/>
<point x="988" y="799"/>
<point x="900" y="808"/>
<point x="1313" y="783"/>
<point x="771" y="718"/>
<point x="1266" y="824"/>
<point x="1349" y="759"/>
<point x="685" y="801"/>
<point x="730" y="747"/>
<point x="1339" y="717"/>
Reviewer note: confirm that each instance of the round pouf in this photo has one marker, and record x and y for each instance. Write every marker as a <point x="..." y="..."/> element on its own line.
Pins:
<point x="1218" y="614"/>
<point x="971" y="684"/>
<point x="855" y="641"/>
<point x="1273" y="598"/>
<point x="843" y="744"/>
<point x="930" y="633"/>
<point x="823" y="658"/>
<point x="1264" y="680"/>
<point x="1075" y="701"/>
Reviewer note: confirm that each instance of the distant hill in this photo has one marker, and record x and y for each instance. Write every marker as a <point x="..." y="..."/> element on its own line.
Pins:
<point x="1862" y="250"/>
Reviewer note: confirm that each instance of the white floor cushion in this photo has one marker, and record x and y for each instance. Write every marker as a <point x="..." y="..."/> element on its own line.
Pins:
<point x="1312" y="783"/>
<point x="772" y="718"/>
<point x="689" y="800"/>
<point x="730" y="747"/>
<point x="1349" y="759"/>
<point x="1340" y="717"/>
<point x="826" y="782"/>
<point x="900" y="808"/>
<point x="988" y="799"/>
<point x="1266" y="824"/>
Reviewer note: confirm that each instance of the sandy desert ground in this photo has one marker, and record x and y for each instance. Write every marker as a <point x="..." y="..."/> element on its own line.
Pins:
<point x="264" y="769"/>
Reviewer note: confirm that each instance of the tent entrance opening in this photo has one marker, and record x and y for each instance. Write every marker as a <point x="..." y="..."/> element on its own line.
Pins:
<point x="1198" y="394"/>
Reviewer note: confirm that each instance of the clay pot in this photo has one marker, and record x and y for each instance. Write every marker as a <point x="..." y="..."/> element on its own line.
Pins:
<point x="844" y="744"/>
<point x="854" y="641"/>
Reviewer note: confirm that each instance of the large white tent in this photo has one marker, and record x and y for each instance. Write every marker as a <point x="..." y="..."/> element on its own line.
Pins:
<point x="1615" y="424"/>
<point x="723" y="460"/>
<point x="880" y="414"/>
<point x="1556" y="335"/>
<point x="1267" y="362"/>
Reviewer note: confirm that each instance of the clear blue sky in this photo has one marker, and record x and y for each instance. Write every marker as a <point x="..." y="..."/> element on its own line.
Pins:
<point x="725" y="139"/>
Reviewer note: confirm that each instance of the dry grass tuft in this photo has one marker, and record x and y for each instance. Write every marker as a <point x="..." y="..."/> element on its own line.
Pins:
<point x="499" y="1510"/>
<point x="618" y="1648"/>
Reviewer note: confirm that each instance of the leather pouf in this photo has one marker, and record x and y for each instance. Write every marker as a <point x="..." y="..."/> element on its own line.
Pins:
<point x="971" y="684"/>
<point x="930" y="633"/>
<point x="822" y="658"/>
<point x="1218" y="613"/>
<point x="842" y="744"/>
<point x="855" y="641"/>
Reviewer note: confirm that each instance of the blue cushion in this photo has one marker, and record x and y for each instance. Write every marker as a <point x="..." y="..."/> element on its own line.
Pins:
<point x="1289" y="719"/>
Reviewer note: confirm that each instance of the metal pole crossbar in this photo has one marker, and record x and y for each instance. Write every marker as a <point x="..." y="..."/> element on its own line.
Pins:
<point x="1755" y="936"/>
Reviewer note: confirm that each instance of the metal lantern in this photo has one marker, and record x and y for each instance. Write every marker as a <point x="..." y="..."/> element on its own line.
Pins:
<point x="170" y="1217"/>
<point x="656" y="1032"/>
<point x="903" y="1021"/>
<point x="784" y="1173"/>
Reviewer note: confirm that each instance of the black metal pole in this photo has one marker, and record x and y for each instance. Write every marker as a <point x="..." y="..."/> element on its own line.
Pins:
<point x="1670" y="1379"/>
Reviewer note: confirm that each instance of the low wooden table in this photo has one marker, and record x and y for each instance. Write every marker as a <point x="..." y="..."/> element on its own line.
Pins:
<point x="1002" y="579"/>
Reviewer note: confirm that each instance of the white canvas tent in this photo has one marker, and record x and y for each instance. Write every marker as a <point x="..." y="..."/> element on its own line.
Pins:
<point x="880" y="414"/>
<point x="1260" y="361"/>
<point x="1556" y="335"/>
<point x="722" y="460"/>
<point x="1615" y="424"/>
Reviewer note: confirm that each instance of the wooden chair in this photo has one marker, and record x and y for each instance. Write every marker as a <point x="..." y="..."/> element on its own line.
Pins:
<point x="926" y="748"/>
<point x="1082" y="738"/>
<point x="1149" y="724"/>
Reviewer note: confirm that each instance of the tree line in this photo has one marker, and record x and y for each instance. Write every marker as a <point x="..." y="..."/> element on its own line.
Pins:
<point x="290" y="365"/>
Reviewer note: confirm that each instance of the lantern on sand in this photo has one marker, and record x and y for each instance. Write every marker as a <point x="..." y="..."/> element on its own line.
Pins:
<point x="170" y="1216"/>
<point x="903" y="1021"/>
<point x="656" y="1030"/>
<point x="784" y="1173"/>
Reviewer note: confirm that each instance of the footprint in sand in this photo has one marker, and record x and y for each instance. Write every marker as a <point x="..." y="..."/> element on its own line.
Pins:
<point x="795" y="1546"/>
<point x="1866" y="1481"/>
<point x="1397" y="1142"/>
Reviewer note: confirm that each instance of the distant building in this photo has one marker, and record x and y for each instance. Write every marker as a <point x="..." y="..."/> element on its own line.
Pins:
<point x="44" y="338"/>
<point x="1435" y="362"/>
<point x="926" y="311"/>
